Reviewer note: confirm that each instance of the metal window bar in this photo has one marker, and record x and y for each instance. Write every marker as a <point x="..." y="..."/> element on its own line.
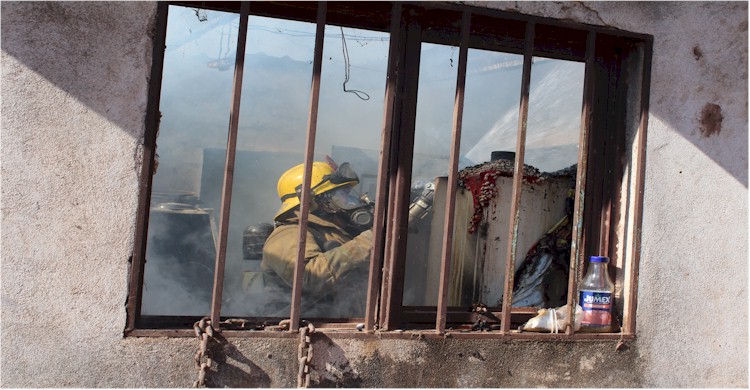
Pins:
<point x="458" y="110"/>
<point x="400" y="181"/>
<point x="632" y="296"/>
<point x="226" y="192"/>
<point x="312" y="124"/>
<point x="518" y="171"/>
<point x="607" y="171"/>
<point x="378" y="233"/>
<point x="135" y="293"/>
<point x="576" y="250"/>
<point x="386" y="276"/>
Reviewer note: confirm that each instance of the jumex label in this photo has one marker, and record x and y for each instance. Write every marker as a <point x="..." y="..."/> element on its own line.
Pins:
<point x="597" y="308"/>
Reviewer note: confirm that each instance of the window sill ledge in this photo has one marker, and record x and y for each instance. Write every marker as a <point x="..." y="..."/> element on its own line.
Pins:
<point x="396" y="335"/>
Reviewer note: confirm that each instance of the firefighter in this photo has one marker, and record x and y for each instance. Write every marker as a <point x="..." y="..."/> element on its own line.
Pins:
<point x="338" y="244"/>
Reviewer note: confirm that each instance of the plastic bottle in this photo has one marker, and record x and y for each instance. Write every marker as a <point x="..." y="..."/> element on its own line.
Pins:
<point x="595" y="295"/>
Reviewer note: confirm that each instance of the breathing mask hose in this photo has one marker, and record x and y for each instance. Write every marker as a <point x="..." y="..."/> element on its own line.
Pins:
<point x="422" y="205"/>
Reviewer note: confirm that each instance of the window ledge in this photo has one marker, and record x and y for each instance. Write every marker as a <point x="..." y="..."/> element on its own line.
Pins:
<point x="395" y="335"/>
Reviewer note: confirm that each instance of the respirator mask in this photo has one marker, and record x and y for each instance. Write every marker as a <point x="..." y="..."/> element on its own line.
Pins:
<point x="347" y="201"/>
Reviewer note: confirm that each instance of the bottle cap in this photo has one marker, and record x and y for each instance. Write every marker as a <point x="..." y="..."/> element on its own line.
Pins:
<point x="598" y="259"/>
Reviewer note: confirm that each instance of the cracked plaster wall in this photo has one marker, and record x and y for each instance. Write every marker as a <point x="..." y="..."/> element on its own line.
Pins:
<point x="74" y="85"/>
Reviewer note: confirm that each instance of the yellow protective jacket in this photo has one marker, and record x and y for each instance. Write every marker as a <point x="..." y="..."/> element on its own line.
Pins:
<point x="325" y="271"/>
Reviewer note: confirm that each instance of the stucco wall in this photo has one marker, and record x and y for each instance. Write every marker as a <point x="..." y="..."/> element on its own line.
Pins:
<point x="74" y="85"/>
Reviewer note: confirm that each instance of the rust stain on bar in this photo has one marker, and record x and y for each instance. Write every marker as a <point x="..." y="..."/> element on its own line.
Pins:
<point x="576" y="257"/>
<point x="312" y="125"/>
<point x="518" y="177"/>
<point x="226" y="192"/>
<point x="385" y="156"/>
<point x="639" y="183"/>
<point x="458" y="112"/>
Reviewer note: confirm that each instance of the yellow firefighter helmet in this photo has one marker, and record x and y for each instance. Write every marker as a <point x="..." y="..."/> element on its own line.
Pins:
<point x="324" y="178"/>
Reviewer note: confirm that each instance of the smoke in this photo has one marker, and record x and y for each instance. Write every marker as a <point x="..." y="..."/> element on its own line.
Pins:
<point x="554" y="119"/>
<point x="179" y="263"/>
<point x="195" y="106"/>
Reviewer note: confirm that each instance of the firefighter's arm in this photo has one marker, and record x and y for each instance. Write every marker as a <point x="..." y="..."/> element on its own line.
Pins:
<point x="334" y="264"/>
<point x="322" y="269"/>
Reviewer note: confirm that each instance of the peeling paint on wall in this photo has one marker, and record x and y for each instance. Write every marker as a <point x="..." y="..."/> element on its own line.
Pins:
<point x="711" y="118"/>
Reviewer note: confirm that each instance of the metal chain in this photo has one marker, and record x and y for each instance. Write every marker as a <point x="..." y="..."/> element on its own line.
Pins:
<point x="304" y="355"/>
<point x="203" y="331"/>
<point x="203" y="361"/>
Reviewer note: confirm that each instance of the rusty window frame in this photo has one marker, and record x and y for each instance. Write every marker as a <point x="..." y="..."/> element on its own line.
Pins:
<point x="608" y="97"/>
<point x="603" y="50"/>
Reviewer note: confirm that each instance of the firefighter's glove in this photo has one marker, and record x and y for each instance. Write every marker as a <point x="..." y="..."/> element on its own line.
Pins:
<point x="350" y="255"/>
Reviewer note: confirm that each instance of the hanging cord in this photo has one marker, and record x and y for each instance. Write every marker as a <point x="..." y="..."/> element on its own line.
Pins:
<point x="347" y="67"/>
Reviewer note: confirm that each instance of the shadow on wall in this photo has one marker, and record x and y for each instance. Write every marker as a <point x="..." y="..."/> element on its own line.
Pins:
<point x="99" y="53"/>
<point x="699" y="79"/>
<point x="234" y="369"/>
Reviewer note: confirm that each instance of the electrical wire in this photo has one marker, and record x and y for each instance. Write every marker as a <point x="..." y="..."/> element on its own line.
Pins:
<point x="360" y="94"/>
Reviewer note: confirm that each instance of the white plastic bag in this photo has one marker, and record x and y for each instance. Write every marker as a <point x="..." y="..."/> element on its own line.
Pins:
<point x="553" y="320"/>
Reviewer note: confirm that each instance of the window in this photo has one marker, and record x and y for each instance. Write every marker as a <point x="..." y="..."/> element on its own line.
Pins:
<point x="473" y="134"/>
